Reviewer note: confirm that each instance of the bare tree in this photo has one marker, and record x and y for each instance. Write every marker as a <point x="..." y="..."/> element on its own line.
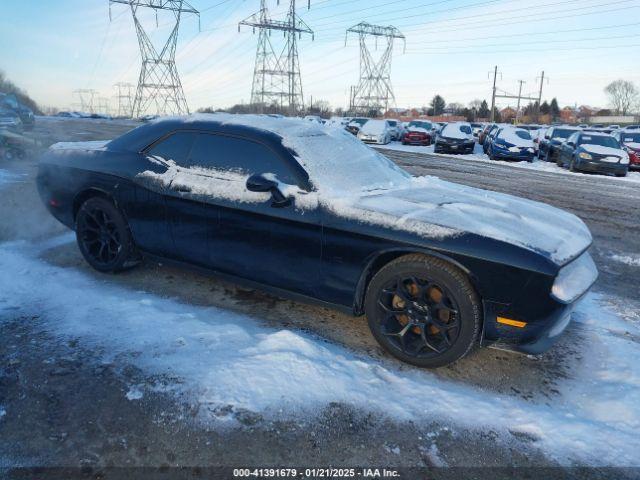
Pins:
<point x="622" y="95"/>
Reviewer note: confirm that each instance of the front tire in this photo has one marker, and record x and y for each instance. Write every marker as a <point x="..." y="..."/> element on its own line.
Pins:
<point x="423" y="310"/>
<point x="103" y="236"/>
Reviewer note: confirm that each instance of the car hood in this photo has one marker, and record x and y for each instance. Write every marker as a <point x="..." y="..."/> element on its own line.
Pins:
<point x="549" y="231"/>
<point x="633" y="146"/>
<point x="600" y="150"/>
<point x="417" y="130"/>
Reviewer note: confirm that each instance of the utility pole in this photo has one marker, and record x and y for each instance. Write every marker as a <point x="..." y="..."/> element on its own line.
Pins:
<point x="540" y="97"/>
<point x="276" y="78"/>
<point x="159" y="83"/>
<point x="374" y="90"/>
<point x="521" y="82"/>
<point x="493" y="95"/>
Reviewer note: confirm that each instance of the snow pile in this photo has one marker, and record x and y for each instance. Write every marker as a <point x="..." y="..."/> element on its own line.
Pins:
<point x="632" y="260"/>
<point x="214" y="358"/>
<point x="8" y="177"/>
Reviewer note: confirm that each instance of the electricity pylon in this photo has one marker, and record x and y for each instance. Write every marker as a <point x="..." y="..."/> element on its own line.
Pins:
<point x="159" y="83"/>
<point x="85" y="99"/>
<point x="276" y="77"/>
<point x="373" y="93"/>
<point x="124" y="96"/>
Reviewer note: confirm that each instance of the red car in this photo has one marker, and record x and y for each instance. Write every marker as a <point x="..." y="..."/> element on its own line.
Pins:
<point x="630" y="141"/>
<point x="418" y="133"/>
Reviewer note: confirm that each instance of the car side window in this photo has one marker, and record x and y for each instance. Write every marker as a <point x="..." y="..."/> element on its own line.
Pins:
<point x="226" y="153"/>
<point x="176" y="147"/>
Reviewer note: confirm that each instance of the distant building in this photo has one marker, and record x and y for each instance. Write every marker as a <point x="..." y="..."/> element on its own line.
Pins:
<point x="507" y="114"/>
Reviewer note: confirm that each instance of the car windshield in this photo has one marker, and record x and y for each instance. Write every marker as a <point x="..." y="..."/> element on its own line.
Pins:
<point x="631" y="137"/>
<point x="425" y="125"/>
<point x="393" y="123"/>
<point x="562" y="132"/>
<point x="337" y="162"/>
<point x="360" y="121"/>
<point x="601" y="140"/>
<point x="523" y="134"/>
<point x="453" y="130"/>
<point x="374" y="127"/>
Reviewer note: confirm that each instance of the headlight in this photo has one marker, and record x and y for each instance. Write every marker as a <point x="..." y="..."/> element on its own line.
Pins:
<point x="585" y="156"/>
<point x="514" y="149"/>
<point x="625" y="160"/>
<point x="574" y="279"/>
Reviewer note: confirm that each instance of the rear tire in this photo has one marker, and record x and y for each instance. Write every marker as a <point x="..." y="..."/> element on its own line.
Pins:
<point x="423" y="310"/>
<point x="103" y="236"/>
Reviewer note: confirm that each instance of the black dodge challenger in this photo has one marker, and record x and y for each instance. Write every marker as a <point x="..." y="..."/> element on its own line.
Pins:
<point x="309" y="212"/>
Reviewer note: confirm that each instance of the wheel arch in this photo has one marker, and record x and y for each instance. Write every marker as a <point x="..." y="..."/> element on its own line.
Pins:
<point x="88" y="193"/>
<point x="382" y="258"/>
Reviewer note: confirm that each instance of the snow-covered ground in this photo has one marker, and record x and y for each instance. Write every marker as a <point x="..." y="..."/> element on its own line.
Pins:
<point x="479" y="156"/>
<point x="218" y="358"/>
<point x="8" y="177"/>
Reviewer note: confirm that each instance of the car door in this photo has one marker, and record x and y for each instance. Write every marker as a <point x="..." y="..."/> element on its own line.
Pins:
<point x="147" y="212"/>
<point x="567" y="149"/>
<point x="253" y="239"/>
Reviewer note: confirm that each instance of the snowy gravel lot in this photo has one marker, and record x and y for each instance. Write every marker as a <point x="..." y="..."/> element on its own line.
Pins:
<point x="161" y="367"/>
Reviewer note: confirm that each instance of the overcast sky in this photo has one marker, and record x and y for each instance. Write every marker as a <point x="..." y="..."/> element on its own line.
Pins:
<point x="52" y="47"/>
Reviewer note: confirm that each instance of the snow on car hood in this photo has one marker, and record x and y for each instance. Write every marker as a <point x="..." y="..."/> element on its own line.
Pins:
<point x="633" y="145"/>
<point x="554" y="233"/>
<point x="417" y="129"/>
<point x="91" y="145"/>
<point x="601" y="150"/>
<point x="512" y="137"/>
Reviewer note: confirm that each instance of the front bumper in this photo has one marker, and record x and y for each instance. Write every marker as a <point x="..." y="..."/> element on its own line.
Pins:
<point x="454" y="147"/>
<point x="519" y="156"/>
<point x="535" y="319"/>
<point x="601" y="167"/>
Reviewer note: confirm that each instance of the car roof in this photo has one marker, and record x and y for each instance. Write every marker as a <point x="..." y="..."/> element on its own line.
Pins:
<point x="267" y="129"/>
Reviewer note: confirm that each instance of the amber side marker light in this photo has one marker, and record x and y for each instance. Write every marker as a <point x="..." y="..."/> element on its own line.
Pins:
<point x="513" y="323"/>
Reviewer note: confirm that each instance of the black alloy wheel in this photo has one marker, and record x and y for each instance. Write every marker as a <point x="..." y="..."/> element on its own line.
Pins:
<point x="103" y="236"/>
<point x="423" y="311"/>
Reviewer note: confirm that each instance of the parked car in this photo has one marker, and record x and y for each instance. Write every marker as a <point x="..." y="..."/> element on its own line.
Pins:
<point x="418" y="132"/>
<point x="511" y="144"/>
<point x="356" y="124"/>
<point x="397" y="129"/>
<point x="630" y="141"/>
<point x="455" y="138"/>
<point x="376" y="131"/>
<point x="312" y="214"/>
<point x="9" y="119"/>
<point x="553" y="138"/>
<point x="485" y="131"/>
<point x="489" y="138"/>
<point x="537" y="137"/>
<point x="27" y="118"/>
<point x="314" y="118"/>
<point x="476" y="128"/>
<point x="593" y="152"/>
<point x="339" y="121"/>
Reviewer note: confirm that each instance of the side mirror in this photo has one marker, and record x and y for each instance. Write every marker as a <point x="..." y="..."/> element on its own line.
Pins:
<point x="263" y="183"/>
<point x="571" y="144"/>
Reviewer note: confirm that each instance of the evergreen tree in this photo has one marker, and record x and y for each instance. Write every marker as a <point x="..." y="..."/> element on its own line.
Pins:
<point x="545" y="109"/>
<point x="555" y="109"/>
<point x="483" y="112"/>
<point x="437" y="105"/>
